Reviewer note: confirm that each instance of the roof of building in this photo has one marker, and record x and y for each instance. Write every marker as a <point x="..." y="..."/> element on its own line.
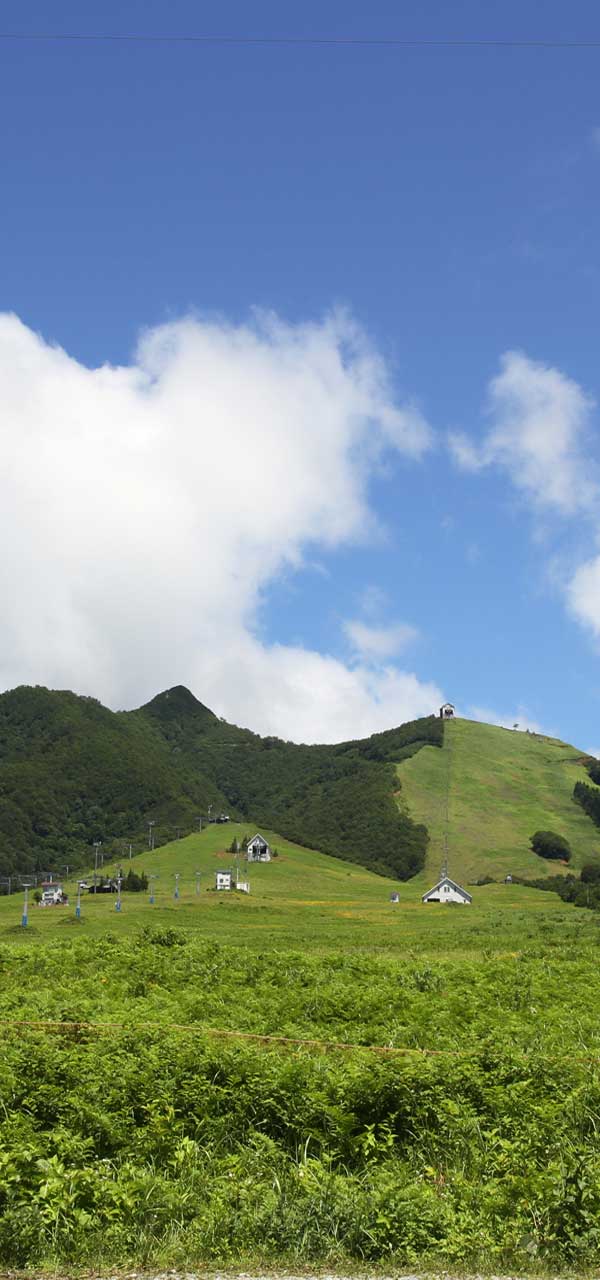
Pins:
<point x="453" y="885"/>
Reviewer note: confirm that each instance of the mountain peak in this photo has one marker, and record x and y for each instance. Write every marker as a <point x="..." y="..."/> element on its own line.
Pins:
<point x="176" y="702"/>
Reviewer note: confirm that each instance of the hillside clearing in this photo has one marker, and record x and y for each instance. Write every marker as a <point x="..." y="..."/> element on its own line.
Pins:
<point x="503" y="786"/>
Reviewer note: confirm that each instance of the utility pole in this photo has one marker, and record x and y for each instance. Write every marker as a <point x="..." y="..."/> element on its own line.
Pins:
<point x="176" y="894"/>
<point x="118" y="902"/>
<point x="27" y="884"/>
<point x="151" y="826"/>
<point x="97" y="844"/>
<point x="78" y="906"/>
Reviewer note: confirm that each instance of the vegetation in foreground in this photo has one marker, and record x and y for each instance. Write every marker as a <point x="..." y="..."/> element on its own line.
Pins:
<point x="163" y="1142"/>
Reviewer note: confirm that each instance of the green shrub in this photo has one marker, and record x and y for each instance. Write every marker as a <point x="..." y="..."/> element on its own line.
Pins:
<point x="590" y="873"/>
<point x="548" y="844"/>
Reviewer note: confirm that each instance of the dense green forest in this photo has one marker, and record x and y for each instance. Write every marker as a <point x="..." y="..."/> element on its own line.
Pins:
<point x="589" y="797"/>
<point x="72" y="772"/>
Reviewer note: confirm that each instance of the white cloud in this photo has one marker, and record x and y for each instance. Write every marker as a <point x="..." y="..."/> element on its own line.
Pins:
<point x="467" y="456"/>
<point x="521" y="718"/>
<point x="541" y="435"/>
<point x="145" y="510"/>
<point x="583" y="595"/>
<point x="540" y="428"/>
<point x="373" y="600"/>
<point x="372" y="643"/>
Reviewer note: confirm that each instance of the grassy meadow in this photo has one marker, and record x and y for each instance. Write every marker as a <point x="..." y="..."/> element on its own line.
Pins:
<point x="302" y="898"/>
<point x="504" y="785"/>
<point x="426" y="1091"/>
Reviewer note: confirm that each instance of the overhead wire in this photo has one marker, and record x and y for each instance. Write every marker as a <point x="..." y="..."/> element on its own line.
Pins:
<point x="400" y="42"/>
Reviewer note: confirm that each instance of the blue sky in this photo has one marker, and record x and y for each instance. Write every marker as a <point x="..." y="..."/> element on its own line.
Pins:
<point x="446" y="200"/>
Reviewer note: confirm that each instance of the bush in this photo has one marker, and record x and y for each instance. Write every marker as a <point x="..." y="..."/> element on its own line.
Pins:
<point x="590" y="873"/>
<point x="548" y="844"/>
<point x="134" y="883"/>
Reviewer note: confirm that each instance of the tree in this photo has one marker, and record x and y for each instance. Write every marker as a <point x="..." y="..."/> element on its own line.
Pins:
<point x="134" y="883"/>
<point x="590" y="873"/>
<point x="548" y="844"/>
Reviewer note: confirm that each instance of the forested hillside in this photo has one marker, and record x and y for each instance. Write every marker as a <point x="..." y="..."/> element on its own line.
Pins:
<point x="72" y="772"/>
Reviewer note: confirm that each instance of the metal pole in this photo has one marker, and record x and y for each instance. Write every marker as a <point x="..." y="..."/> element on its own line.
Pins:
<point x="78" y="907"/>
<point x="24" y="916"/>
<point x="197" y="882"/>
<point x="151" y="826"/>
<point x="118" y="902"/>
<point x="152" y="878"/>
<point x="97" y="844"/>
<point x="176" y="885"/>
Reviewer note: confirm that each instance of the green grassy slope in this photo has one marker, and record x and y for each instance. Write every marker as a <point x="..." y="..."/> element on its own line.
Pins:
<point x="302" y="899"/>
<point x="504" y="785"/>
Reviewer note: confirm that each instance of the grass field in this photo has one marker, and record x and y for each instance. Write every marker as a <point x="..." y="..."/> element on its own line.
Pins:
<point x="504" y="785"/>
<point x="309" y="1075"/>
<point x="144" y="1125"/>
<point x="300" y="899"/>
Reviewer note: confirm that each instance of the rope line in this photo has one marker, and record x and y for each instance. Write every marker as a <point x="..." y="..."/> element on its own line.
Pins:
<point x="197" y="1029"/>
<point x="257" y="1037"/>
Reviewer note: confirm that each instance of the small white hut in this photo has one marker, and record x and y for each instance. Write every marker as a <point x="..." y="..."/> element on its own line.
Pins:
<point x="447" y="711"/>
<point x="223" y="879"/>
<point x="258" y="850"/>
<point x="447" y="890"/>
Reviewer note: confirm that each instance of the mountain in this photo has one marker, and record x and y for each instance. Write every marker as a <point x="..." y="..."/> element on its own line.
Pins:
<point x="502" y="786"/>
<point x="72" y="772"/>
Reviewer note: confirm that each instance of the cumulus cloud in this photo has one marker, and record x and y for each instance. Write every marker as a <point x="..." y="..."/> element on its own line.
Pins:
<point x="375" y="643"/>
<point x="540" y="424"/>
<point x="541" y="436"/>
<point x="583" y="595"/>
<point x="146" y="509"/>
